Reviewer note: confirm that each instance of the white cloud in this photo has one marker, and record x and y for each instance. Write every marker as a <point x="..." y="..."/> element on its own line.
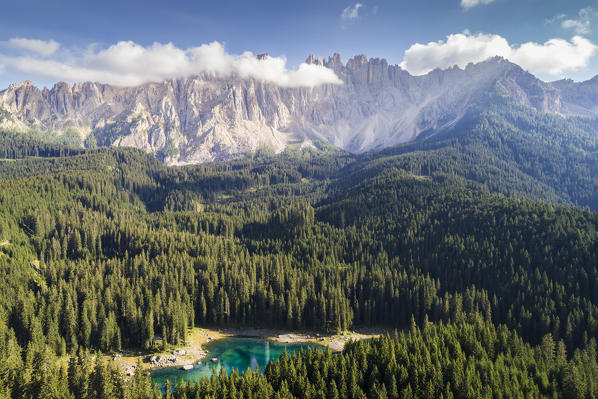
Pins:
<point x="582" y="24"/>
<point x="459" y="49"/>
<point x="472" y="3"/>
<point x="39" y="47"/>
<point x="556" y="56"/>
<point x="553" y="57"/>
<point x="351" y="12"/>
<point x="128" y="64"/>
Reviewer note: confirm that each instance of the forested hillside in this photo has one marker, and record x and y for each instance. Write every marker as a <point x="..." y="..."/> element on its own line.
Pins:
<point x="102" y="249"/>
<point x="507" y="149"/>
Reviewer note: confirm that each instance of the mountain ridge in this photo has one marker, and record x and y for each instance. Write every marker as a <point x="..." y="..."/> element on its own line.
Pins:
<point x="205" y="118"/>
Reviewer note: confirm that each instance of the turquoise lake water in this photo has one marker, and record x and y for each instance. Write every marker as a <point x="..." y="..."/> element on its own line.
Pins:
<point x="232" y="353"/>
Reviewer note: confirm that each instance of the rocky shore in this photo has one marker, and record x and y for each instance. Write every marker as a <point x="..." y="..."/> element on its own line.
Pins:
<point x="194" y="352"/>
<point x="178" y="358"/>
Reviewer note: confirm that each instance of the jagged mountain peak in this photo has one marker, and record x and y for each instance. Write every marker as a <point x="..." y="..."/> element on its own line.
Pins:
<point x="21" y="84"/>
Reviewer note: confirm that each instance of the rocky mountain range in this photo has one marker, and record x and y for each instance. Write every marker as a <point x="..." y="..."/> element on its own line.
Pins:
<point x="207" y="118"/>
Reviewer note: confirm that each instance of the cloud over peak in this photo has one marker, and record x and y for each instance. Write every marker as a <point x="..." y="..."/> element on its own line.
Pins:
<point x="127" y="63"/>
<point x="553" y="57"/>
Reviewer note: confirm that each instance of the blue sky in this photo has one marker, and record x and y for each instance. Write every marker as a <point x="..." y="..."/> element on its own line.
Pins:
<point x="81" y="30"/>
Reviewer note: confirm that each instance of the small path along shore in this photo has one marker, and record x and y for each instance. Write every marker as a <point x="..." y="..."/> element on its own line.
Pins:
<point x="193" y="351"/>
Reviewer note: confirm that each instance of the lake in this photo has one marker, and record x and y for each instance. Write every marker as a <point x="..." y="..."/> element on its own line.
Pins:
<point x="232" y="353"/>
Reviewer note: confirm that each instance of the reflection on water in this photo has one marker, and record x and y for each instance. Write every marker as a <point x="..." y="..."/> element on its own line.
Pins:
<point x="229" y="354"/>
<point x="267" y="351"/>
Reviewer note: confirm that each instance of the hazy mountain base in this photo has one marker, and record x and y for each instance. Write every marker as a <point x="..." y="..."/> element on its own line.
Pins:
<point x="505" y="149"/>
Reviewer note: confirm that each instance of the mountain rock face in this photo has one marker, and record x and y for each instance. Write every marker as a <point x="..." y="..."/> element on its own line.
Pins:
<point x="205" y="118"/>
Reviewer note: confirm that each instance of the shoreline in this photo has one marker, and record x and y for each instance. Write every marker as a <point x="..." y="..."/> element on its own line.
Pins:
<point x="193" y="350"/>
